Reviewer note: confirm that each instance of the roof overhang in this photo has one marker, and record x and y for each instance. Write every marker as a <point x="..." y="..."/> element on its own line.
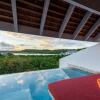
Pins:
<point x="69" y="19"/>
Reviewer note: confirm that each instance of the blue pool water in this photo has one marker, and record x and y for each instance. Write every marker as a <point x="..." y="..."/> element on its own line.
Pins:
<point x="73" y="72"/>
<point x="32" y="85"/>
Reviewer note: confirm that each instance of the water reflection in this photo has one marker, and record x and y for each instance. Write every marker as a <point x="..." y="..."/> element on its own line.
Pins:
<point x="33" y="84"/>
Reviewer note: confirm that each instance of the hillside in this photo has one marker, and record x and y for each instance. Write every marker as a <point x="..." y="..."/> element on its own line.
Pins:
<point x="58" y="51"/>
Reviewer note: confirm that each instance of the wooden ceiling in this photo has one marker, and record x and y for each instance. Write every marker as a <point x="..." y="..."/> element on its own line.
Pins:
<point x="32" y="13"/>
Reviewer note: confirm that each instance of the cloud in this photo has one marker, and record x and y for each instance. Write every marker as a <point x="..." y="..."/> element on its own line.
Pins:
<point x="6" y="46"/>
<point x="18" y="41"/>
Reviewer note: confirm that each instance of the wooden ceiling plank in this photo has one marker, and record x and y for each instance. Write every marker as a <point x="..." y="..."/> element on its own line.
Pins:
<point x="31" y="4"/>
<point x="4" y="3"/>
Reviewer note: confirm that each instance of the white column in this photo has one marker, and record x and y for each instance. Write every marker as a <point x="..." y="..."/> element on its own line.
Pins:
<point x="66" y="19"/>
<point x="14" y="12"/>
<point x="92" y="30"/>
<point x="81" y="25"/>
<point x="44" y="14"/>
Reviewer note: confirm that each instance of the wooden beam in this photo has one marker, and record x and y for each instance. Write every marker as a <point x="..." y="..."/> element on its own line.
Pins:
<point x="73" y="2"/>
<point x="44" y="14"/>
<point x="81" y="24"/>
<point x="66" y="19"/>
<point x="14" y="12"/>
<point x="92" y="30"/>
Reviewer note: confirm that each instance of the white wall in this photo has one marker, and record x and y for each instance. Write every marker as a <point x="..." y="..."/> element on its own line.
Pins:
<point x="88" y="59"/>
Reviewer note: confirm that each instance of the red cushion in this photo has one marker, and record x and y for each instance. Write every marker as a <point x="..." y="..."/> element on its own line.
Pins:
<point x="84" y="88"/>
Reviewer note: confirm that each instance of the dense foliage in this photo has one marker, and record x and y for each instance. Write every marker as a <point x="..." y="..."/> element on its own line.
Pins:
<point x="10" y="63"/>
<point x="13" y="64"/>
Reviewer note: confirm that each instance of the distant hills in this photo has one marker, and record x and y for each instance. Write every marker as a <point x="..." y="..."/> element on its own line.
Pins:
<point x="34" y="51"/>
<point x="57" y="51"/>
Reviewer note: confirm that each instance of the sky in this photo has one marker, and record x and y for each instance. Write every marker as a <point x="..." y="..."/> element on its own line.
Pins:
<point x="20" y="41"/>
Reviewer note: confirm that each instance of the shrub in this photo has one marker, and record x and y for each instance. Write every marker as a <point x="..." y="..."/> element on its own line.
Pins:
<point x="13" y="64"/>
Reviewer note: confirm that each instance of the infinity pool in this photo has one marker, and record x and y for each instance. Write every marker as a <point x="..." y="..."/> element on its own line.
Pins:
<point x="30" y="85"/>
<point x="73" y="72"/>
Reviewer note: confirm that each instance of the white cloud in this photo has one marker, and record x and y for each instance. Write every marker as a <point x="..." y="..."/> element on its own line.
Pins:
<point x="5" y="46"/>
<point x="25" y="41"/>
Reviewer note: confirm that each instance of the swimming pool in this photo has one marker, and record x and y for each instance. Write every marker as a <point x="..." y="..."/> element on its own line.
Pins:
<point x="30" y="85"/>
<point x="73" y="72"/>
